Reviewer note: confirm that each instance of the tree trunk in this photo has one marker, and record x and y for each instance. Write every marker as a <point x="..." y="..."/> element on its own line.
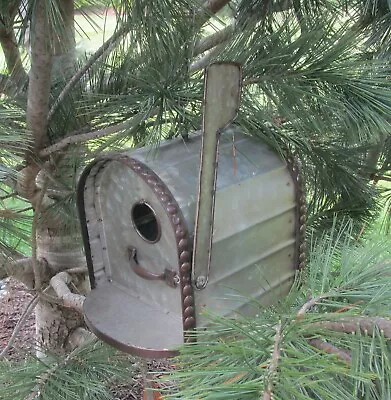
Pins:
<point x="12" y="57"/>
<point x="40" y="76"/>
<point x="55" y="322"/>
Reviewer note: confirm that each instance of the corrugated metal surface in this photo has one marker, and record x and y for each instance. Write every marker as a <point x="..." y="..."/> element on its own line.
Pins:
<point x="254" y="239"/>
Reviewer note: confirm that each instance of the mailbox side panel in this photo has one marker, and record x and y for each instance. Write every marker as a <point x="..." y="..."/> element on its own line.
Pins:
<point x="255" y="240"/>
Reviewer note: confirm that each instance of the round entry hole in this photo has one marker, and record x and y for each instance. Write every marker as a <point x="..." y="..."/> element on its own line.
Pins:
<point x="145" y="222"/>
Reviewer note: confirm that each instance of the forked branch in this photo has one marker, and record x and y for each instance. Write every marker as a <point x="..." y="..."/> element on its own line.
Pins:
<point x="59" y="283"/>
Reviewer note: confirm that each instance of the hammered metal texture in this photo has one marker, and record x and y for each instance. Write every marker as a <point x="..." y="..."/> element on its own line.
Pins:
<point x="181" y="234"/>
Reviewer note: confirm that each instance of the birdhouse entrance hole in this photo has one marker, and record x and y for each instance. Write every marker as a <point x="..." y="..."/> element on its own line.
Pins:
<point x="145" y="222"/>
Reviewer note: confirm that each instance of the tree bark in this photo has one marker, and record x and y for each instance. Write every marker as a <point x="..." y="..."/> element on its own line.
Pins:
<point x="55" y="322"/>
<point x="12" y="57"/>
<point x="40" y="77"/>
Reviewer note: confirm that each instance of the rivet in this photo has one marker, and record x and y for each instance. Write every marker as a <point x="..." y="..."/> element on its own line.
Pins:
<point x="183" y="243"/>
<point x="302" y="247"/>
<point x="189" y="311"/>
<point x="188" y="301"/>
<point x="184" y="256"/>
<point x="302" y="219"/>
<point x="137" y="167"/>
<point x="302" y="228"/>
<point x="185" y="268"/>
<point x="201" y="282"/>
<point x="171" y="209"/>
<point x="189" y="322"/>
<point x="301" y="265"/>
<point x="176" y="220"/>
<point x="187" y="290"/>
<point x="303" y="209"/>
<point x="179" y="233"/>
<point x="160" y="187"/>
<point x="152" y="180"/>
<point x="164" y="198"/>
<point x="301" y="257"/>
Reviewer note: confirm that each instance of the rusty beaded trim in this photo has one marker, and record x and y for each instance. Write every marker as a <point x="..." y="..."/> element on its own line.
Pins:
<point x="183" y="242"/>
<point x="301" y="211"/>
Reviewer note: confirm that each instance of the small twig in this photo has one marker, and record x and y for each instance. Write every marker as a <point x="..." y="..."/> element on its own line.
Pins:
<point x="209" y="8"/>
<point x="213" y="40"/>
<point x="274" y="363"/>
<point x="83" y="137"/>
<point x="329" y="348"/>
<point x="361" y="231"/>
<point x="77" y="270"/>
<point x="9" y="196"/>
<point x="41" y="381"/>
<point x="205" y="60"/>
<point x="377" y="178"/>
<point x="311" y="303"/>
<point x="23" y="318"/>
<point x="23" y="210"/>
<point x="79" y="74"/>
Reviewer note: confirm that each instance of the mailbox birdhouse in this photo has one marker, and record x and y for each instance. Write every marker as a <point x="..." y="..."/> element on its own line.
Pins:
<point x="140" y="211"/>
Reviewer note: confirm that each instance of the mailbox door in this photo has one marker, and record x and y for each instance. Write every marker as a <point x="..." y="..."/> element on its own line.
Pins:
<point x="138" y="251"/>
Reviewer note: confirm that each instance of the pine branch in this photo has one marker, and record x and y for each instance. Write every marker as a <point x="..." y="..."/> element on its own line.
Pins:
<point x="377" y="178"/>
<point x="329" y="348"/>
<point x="9" y="196"/>
<point x="311" y="303"/>
<point x="42" y="380"/>
<point x="21" y="269"/>
<point x="209" y="8"/>
<point x="213" y="40"/>
<point x="205" y="60"/>
<point x="83" y="137"/>
<point x="93" y="58"/>
<point x="367" y="325"/>
<point x="274" y="363"/>
<point x="59" y="284"/>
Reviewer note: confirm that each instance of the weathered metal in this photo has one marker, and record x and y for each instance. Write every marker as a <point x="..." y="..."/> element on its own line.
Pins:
<point x="221" y="102"/>
<point x="138" y="215"/>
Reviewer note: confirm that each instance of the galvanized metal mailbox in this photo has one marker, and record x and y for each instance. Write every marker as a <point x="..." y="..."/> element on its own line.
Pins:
<point x="138" y="212"/>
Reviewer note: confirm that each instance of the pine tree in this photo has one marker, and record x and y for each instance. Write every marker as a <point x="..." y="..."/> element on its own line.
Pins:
<point x="330" y="338"/>
<point x="316" y="82"/>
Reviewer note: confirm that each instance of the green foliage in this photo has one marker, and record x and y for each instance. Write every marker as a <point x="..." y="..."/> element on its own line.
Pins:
<point x="85" y="373"/>
<point x="344" y="281"/>
<point x="315" y="82"/>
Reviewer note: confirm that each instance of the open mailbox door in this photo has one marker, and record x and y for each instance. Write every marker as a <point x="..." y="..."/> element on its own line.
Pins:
<point x="138" y="213"/>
